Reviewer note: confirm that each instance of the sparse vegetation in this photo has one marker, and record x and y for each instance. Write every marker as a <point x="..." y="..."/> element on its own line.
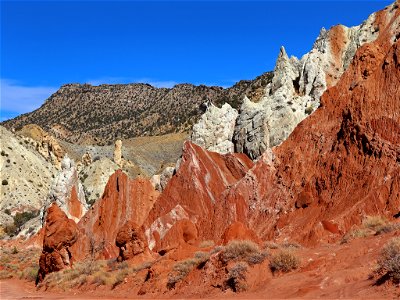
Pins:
<point x="389" y="261"/>
<point x="237" y="277"/>
<point x="243" y="250"/>
<point x="284" y="261"/>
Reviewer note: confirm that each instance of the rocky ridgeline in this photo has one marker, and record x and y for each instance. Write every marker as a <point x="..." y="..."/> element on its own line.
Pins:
<point x="101" y="114"/>
<point x="292" y="95"/>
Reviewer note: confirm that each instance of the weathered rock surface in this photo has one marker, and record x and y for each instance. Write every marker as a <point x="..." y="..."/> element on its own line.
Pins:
<point x="43" y="142"/>
<point x="131" y="241"/>
<point x="341" y="163"/>
<point x="297" y="86"/>
<point x="25" y="175"/>
<point x="60" y="233"/>
<point x="124" y="200"/>
<point x="118" y="152"/>
<point x="95" y="176"/>
<point x="193" y="192"/>
<point x="67" y="192"/>
<point x="214" y="130"/>
<point x="160" y="181"/>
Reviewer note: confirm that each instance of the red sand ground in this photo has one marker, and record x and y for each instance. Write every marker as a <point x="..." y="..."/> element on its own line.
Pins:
<point x="329" y="271"/>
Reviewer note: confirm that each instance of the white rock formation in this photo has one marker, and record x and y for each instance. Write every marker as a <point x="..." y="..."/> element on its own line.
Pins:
<point x="118" y="152"/>
<point x="214" y="130"/>
<point x="61" y="191"/>
<point x="297" y="86"/>
<point x="25" y="175"/>
<point x="160" y="181"/>
<point x="94" y="178"/>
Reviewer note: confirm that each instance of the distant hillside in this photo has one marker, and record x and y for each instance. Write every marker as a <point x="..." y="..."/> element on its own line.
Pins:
<point x="100" y="114"/>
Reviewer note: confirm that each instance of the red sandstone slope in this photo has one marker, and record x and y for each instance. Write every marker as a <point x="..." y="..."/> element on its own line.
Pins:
<point x="193" y="192"/>
<point x="123" y="201"/>
<point x="341" y="163"/>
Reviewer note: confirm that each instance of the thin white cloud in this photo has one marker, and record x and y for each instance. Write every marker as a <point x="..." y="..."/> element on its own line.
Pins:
<point x="20" y="99"/>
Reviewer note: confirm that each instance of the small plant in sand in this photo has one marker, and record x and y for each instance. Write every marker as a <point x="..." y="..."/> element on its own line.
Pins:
<point x="389" y="261"/>
<point x="237" y="277"/>
<point x="284" y="261"/>
<point x="247" y="251"/>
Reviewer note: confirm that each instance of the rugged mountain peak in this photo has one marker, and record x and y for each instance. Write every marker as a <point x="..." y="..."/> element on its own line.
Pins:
<point x="297" y="86"/>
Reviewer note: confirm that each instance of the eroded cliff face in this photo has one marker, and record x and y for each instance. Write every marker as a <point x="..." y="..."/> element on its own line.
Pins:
<point x="67" y="192"/>
<point x="124" y="200"/>
<point x="341" y="163"/>
<point x="297" y="86"/>
<point x="193" y="192"/>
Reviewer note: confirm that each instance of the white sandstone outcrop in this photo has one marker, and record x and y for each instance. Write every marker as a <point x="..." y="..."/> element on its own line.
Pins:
<point x="67" y="192"/>
<point x="297" y="86"/>
<point x="26" y="175"/>
<point x="214" y="130"/>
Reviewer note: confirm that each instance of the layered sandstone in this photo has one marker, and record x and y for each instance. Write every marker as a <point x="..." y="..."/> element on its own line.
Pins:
<point x="193" y="192"/>
<point x="123" y="201"/>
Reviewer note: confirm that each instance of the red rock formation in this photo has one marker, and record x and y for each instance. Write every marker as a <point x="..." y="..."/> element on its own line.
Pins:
<point x="123" y="201"/>
<point x="74" y="206"/>
<point x="341" y="163"/>
<point x="239" y="231"/>
<point x="130" y="240"/>
<point x="193" y="192"/>
<point x="60" y="233"/>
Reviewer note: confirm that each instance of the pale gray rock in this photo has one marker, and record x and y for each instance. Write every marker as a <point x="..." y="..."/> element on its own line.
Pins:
<point x="215" y="128"/>
<point x="94" y="178"/>
<point x="61" y="189"/>
<point x="296" y="88"/>
<point x="25" y="174"/>
<point x="160" y="181"/>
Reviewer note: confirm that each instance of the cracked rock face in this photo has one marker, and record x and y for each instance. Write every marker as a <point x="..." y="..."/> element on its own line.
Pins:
<point x="67" y="192"/>
<point x="297" y="86"/>
<point x="214" y="130"/>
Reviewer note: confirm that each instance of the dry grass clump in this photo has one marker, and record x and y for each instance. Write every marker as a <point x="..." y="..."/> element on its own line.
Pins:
<point x="180" y="271"/>
<point x="237" y="277"/>
<point x="370" y="225"/>
<point x="98" y="272"/>
<point x="206" y="244"/>
<point x="19" y="263"/>
<point x="183" y="268"/>
<point x="270" y="245"/>
<point x="284" y="261"/>
<point x="243" y="250"/>
<point x="389" y="261"/>
<point x="374" y="222"/>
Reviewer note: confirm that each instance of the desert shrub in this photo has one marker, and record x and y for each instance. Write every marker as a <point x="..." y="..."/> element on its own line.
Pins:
<point x="373" y="222"/>
<point x="389" y="261"/>
<point x="4" y="182"/>
<point x="270" y="245"/>
<point x="243" y="250"/>
<point x="119" y="278"/>
<point x="237" y="277"/>
<point x="289" y="244"/>
<point x="31" y="273"/>
<point x="355" y="233"/>
<point x="14" y="250"/>
<point x="206" y="244"/>
<point x="180" y="271"/>
<point x="21" y="218"/>
<point x="145" y="265"/>
<point x="284" y="261"/>
<point x="387" y="228"/>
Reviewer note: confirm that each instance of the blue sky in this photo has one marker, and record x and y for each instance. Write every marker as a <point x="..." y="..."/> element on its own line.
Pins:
<point x="45" y="44"/>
